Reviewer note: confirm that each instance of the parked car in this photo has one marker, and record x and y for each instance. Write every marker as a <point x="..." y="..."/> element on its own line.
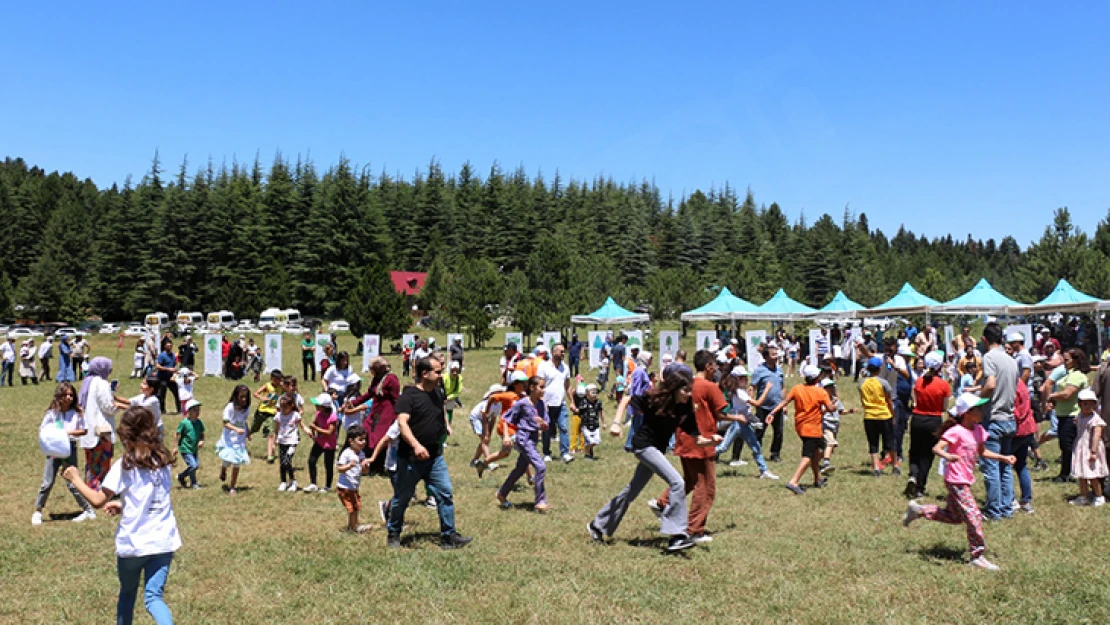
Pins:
<point x="136" y="330"/>
<point x="4" y="330"/>
<point x="24" y="333"/>
<point x="109" y="328"/>
<point x="70" y="332"/>
<point x="293" y="328"/>
<point x="339" y="326"/>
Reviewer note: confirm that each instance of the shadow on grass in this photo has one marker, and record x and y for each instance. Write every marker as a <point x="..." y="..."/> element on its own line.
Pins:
<point x="64" y="516"/>
<point x="421" y="539"/>
<point x="940" y="553"/>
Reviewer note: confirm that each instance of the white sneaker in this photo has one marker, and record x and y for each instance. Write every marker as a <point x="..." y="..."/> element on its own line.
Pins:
<point x="323" y="491"/>
<point x="282" y="487"/>
<point x="87" y="515"/>
<point x="292" y="487"/>
<point x="767" y="475"/>
<point x="493" y="466"/>
<point x="36" y="518"/>
<point x="1099" y="501"/>
<point x="701" y="539"/>
<point x="311" y="488"/>
<point x="567" y="458"/>
<point x="736" y="463"/>
<point x="655" y="507"/>
<point x="913" y="513"/>
<point x="1015" y="505"/>
<point x="1080" y="501"/>
<point x="984" y="563"/>
<point x="547" y="459"/>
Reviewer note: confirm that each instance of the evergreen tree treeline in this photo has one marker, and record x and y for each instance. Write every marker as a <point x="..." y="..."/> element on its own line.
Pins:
<point x="247" y="238"/>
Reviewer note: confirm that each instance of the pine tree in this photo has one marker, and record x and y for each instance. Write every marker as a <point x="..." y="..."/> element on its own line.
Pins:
<point x="373" y="306"/>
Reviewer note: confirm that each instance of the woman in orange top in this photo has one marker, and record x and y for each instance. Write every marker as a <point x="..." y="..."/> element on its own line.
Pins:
<point x="810" y="403"/>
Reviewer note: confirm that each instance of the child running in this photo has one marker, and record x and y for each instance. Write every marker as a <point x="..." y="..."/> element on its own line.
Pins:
<point x="483" y="418"/>
<point x="267" y="395"/>
<point x="190" y="438"/>
<point x="63" y="413"/>
<point x="810" y="402"/>
<point x="147" y="399"/>
<point x="830" y="424"/>
<point x="592" y="412"/>
<point x="742" y="424"/>
<point x="529" y="416"/>
<point x="146" y="537"/>
<point x="232" y="446"/>
<point x="1088" y="462"/>
<point x="286" y="424"/>
<point x="351" y="465"/>
<point x="324" y="431"/>
<point x="961" y="442"/>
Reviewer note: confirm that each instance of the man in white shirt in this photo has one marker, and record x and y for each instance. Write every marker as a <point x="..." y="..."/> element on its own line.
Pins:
<point x="46" y="353"/>
<point x="7" y="357"/>
<point x="80" y="353"/>
<point x="555" y="397"/>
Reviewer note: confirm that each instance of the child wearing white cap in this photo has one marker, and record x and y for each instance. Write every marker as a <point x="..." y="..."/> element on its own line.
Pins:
<point x="190" y="438"/>
<point x="1088" y="461"/>
<point x="483" y="418"/>
<point x="962" y="442"/>
<point x="592" y="412"/>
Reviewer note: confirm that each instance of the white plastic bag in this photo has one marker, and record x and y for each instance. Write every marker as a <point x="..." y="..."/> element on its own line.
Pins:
<point x="54" y="441"/>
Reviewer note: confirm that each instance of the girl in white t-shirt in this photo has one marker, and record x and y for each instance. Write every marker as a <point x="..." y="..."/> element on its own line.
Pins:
<point x="287" y="423"/>
<point x="139" y="360"/>
<point x="232" y="446"/>
<point x="185" y="379"/>
<point x="146" y="537"/>
<point x="64" y="413"/>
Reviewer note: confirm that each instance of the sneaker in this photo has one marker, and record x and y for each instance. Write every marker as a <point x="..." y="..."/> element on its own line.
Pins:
<point x="493" y="466"/>
<point x="776" y="458"/>
<point x="383" y="511"/>
<point x="657" y="509"/>
<point x="738" y="463"/>
<point x="896" y="471"/>
<point x="323" y="491"/>
<point x="36" y="518"/>
<point x="269" y="459"/>
<point x="1015" y="505"/>
<point x="767" y="475"/>
<point x="393" y="541"/>
<point x="679" y="542"/>
<point x="702" y="539"/>
<point x="232" y="491"/>
<point x="821" y="482"/>
<point x="567" y="458"/>
<point x="794" y="488"/>
<point x="197" y="486"/>
<point x="292" y="487"/>
<point x="827" y="467"/>
<point x="1099" y="502"/>
<point x="913" y="513"/>
<point x="362" y="529"/>
<point x="1027" y="507"/>
<point x="1041" y="465"/>
<point x="430" y="502"/>
<point x="911" y="488"/>
<point x="877" y="473"/>
<point x="547" y="459"/>
<point x="282" y="487"/>
<point x="596" y="535"/>
<point x="311" y="488"/>
<point x="474" y="462"/>
<point x="984" y="563"/>
<point x="1077" y="501"/>
<point x="87" y="515"/>
<point x="480" y="467"/>
<point x="455" y="541"/>
<point x="181" y="480"/>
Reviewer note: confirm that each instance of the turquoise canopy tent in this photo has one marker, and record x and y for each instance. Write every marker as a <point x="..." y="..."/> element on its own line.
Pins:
<point x="779" y="308"/>
<point x="982" y="299"/>
<point x="610" y="313"/>
<point x="840" y="307"/>
<point x="720" y="309"/>
<point x="1064" y="299"/>
<point x="907" y="302"/>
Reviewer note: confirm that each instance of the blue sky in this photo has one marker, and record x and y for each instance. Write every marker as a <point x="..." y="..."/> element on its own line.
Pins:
<point x="973" y="118"/>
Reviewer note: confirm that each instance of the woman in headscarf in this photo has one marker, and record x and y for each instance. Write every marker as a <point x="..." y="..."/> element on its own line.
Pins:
<point x="99" y="403"/>
<point x="384" y="390"/>
<point x="65" y="362"/>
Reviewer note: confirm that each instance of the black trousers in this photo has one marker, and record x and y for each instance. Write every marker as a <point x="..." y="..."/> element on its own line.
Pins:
<point x="171" y="386"/>
<point x="923" y="430"/>
<point x="285" y="458"/>
<point x="329" y="463"/>
<point x="776" y="425"/>
<point x="1065" y="428"/>
<point x="308" y="367"/>
<point x="45" y="375"/>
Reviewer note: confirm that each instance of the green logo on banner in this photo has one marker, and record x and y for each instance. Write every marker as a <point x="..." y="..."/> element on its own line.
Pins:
<point x="213" y="343"/>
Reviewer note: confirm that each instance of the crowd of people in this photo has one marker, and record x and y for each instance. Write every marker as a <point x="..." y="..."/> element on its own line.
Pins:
<point x="703" y="411"/>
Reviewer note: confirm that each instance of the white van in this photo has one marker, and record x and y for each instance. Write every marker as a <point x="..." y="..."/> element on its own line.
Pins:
<point x="292" y="315"/>
<point x="189" y="320"/>
<point x="157" y="319"/>
<point x="222" y="320"/>
<point x="272" y="319"/>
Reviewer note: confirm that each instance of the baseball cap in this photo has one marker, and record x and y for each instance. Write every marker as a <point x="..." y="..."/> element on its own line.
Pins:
<point x="323" y="399"/>
<point x="541" y="349"/>
<point x="510" y="345"/>
<point x="667" y="358"/>
<point x="185" y="371"/>
<point x="493" y="388"/>
<point x="455" y="365"/>
<point x="734" y="342"/>
<point x="932" y="361"/>
<point x="966" y="402"/>
<point x="1039" y="359"/>
<point x="518" y="376"/>
<point x="827" y="382"/>
<point x="1046" y="331"/>
<point x="875" y="361"/>
<point x="1015" y="337"/>
<point x="1087" y="395"/>
<point x="809" y="372"/>
<point x="591" y="387"/>
<point x="645" y="355"/>
<point x="431" y="340"/>
<point x="905" y="350"/>
<point x="740" y="372"/>
<point x="192" y="403"/>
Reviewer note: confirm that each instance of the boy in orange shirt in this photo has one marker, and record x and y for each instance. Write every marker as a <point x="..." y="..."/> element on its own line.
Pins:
<point x="810" y="403"/>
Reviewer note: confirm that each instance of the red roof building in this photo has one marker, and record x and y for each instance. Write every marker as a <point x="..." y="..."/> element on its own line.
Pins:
<point x="408" y="282"/>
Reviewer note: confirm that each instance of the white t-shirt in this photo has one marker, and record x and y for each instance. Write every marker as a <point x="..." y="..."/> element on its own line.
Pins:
<point x="741" y="403"/>
<point x="480" y="409"/>
<point x="45" y="349"/>
<point x="100" y="408"/>
<point x="237" y="418"/>
<point x="71" y="420"/>
<point x="420" y="354"/>
<point x="287" y="423"/>
<point x="185" y="389"/>
<point x="340" y="379"/>
<point x="555" y="393"/>
<point x="151" y="404"/>
<point x="147" y="526"/>
<point x="394" y="435"/>
<point x="350" y="478"/>
<point x="7" y="351"/>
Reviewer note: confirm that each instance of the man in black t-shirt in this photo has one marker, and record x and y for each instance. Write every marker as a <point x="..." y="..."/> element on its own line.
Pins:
<point x="423" y="424"/>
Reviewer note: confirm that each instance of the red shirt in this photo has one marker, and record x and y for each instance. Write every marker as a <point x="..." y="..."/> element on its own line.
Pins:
<point x="930" y="398"/>
<point x="708" y="403"/>
<point x="1023" y="411"/>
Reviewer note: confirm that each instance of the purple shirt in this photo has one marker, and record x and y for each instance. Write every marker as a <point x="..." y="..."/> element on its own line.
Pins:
<point x="640" y="385"/>
<point x="523" y="415"/>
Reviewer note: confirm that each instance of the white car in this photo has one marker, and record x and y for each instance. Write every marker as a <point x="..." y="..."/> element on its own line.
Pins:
<point x="294" y="329"/>
<point x="70" y="332"/>
<point x="24" y="333"/>
<point x="339" y="326"/>
<point x="109" y="328"/>
<point x="139" y="331"/>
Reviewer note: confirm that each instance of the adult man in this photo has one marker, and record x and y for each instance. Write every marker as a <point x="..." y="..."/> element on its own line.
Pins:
<point x="80" y="353"/>
<point x="822" y="346"/>
<point x="308" y="356"/>
<point x="1045" y="341"/>
<point x="925" y="341"/>
<point x="1016" y="341"/>
<point x="7" y="357"/>
<point x="455" y="350"/>
<point x="639" y="384"/>
<point x="1000" y="386"/>
<point x="699" y="465"/>
<point x="964" y="340"/>
<point x="574" y="354"/>
<point x="865" y="348"/>
<point x="187" y="353"/>
<point x="166" y="366"/>
<point x="509" y="360"/>
<point x="767" y="381"/>
<point x="617" y="355"/>
<point x="46" y="354"/>
<point x="678" y="361"/>
<point x="423" y="350"/>
<point x="423" y="424"/>
<point x="556" y="396"/>
<point x="896" y="372"/>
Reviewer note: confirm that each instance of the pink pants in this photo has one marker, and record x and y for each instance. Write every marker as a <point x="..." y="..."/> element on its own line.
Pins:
<point x="961" y="508"/>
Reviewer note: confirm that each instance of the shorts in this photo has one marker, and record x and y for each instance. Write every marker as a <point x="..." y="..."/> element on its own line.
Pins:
<point x="503" y="427"/>
<point x="261" y="421"/>
<point x="592" y="436"/>
<point x="811" y="445"/>
<point x="830" y="437"/>
<point x="476" y="424"/>
<point x="879" y="428"/>
<point x="352" y="501"/>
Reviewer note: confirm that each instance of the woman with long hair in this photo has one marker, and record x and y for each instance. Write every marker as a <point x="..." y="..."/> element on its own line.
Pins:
<point x="64" y="413"/>
<point x="665" y="408"/>
<point x="1066" y="398"/>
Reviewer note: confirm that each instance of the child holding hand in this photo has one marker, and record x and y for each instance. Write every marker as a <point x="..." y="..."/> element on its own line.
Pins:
<point x="351" y="465"/>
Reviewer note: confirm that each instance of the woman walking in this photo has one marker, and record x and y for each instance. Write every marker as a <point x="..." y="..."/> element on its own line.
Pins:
<point x="930" y="399"/>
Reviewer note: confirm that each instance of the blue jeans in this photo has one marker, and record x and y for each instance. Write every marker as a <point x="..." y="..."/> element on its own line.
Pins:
<point x="746" y="434"/>
<point x="6" y="373"/>
<point x="637" y="419"/>
<point x="191" y="466"/>
<point x="438" y="482"/>
<point x="558" y="415"/>
<point x="998" y="477"/>
<point x="156" y="568"/>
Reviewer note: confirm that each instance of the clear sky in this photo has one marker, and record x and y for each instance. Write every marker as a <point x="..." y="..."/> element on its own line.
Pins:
<point x="960" y="117"/>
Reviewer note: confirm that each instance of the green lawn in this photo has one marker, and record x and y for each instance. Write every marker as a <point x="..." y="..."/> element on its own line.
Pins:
<point x="836" y="555"/>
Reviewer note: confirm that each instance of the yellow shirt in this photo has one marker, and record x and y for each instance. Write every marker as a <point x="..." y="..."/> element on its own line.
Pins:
<point x="873" y="393"/>
<point x="269" y="406"/>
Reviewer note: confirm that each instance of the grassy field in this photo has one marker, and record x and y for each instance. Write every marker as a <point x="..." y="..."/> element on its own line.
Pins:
<point x="834" y="555"/>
